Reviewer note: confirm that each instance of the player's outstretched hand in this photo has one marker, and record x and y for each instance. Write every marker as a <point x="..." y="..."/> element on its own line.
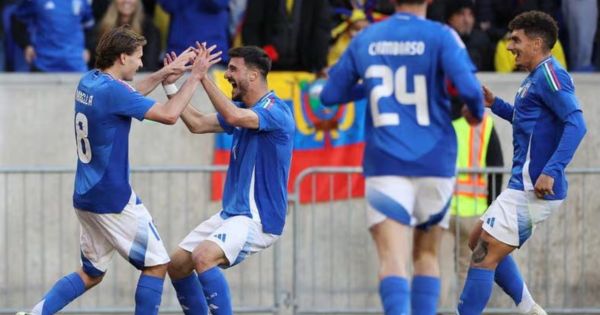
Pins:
<point x="543" y="186"/>
<point x="177" y="66"/>
<point x="206" y="57"/>
<point x="488" y="96"/>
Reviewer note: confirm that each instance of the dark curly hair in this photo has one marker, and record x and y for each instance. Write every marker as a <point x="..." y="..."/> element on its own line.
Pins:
<point x="536" y="24"/>
<point x="117" y="41"/>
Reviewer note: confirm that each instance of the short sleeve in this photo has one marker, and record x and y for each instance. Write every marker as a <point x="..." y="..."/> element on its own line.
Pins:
<point x="558" y="92"/>
<point x="270" y="116"/>
<point x="226" y="127"/>
<point x="87" y="16"/>
<point x="126" y="101"/>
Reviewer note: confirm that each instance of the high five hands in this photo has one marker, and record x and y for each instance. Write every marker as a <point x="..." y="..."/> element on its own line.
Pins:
<point x="201" y="57"/>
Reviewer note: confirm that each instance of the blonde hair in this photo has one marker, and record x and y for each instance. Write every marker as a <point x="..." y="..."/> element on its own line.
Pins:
<point x="111" y="19"/>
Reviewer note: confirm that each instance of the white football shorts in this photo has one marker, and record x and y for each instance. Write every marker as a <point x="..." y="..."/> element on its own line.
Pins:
<point x="238" y="236"/>
<point x="513" y="216"/>
<point x="131" y="233"/>
<point x="414" y="201"/>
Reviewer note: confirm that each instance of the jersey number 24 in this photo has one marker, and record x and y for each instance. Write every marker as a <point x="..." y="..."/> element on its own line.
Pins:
<point x="395" y="84"/>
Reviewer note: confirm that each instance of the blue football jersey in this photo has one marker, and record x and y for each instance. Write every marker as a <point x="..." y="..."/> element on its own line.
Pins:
<point x="259" y="165"/>
<point x="58" y="36"/>
<point x="403" y="63"/>
<point x="543" y="102"/>
<point x="104" y="107"/>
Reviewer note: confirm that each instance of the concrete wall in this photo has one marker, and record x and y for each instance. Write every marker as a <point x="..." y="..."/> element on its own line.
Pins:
<point x="38" y="231"/>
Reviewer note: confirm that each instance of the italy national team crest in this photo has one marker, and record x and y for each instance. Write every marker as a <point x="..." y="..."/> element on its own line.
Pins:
<point x="522" y="91"/>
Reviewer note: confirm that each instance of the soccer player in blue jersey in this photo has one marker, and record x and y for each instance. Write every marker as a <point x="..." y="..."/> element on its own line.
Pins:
<point x="410" y="152"/>
<point x="255" y="195"/>
<point x="548" y="126"/>
<point x="111" y="215"/>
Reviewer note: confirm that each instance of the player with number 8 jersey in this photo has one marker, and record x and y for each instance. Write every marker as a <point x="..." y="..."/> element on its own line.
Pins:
<point x="111" y="216"/>
<point x="409" y="161"/>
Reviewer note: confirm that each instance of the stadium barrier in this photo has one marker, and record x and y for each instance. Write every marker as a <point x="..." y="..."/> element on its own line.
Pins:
<point x="39" y="239"/>
<point x="335" y="262"/>
<point x="326" y="264"/>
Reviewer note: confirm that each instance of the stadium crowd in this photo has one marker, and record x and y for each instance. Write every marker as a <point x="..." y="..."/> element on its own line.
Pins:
<point x="44" y="35"/>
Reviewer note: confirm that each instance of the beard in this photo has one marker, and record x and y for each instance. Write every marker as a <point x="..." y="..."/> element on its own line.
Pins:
<point x="239" y="91"/>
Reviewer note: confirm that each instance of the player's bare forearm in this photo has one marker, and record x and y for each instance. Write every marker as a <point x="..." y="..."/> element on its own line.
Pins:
<point x="150" y="82"/>
<point x="197" y="122"/>
<point x="232" y="114"/>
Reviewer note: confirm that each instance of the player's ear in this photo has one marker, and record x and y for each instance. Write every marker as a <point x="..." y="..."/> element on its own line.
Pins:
<point x="253" y="75"/>
<point x="122" y="58"/>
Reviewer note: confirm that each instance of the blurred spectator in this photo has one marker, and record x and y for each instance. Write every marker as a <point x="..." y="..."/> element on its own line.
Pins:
<point x="504" y="60"/>
<point x="130" y="12"/>
<point x="57" y="42"/>
<point x="493" y="15"/>
<point x="237" y="11"/>
<point x="14" y="59"/>
<point x="581" y="19"/>
<point x="191" y="21"/>
<point x="295" y="34"/>
<point x="99" y="8"/>
<point x="460" y="16"/>
<point x="342" y="34"/>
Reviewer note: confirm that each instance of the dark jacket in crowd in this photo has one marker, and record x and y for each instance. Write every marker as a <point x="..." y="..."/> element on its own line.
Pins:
<point x="297" y="41"/>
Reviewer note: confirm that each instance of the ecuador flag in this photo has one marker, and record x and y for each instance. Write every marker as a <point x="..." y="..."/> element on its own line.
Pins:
<point x="325" y="136"/>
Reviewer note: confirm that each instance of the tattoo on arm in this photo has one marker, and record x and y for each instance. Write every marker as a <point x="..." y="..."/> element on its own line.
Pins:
<point x="480" y="252"/>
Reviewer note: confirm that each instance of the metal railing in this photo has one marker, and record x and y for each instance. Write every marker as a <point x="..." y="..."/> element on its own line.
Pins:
<point x="39" y="239"/>
<point x="326" y="265"/>
<point x="335" y="265"/>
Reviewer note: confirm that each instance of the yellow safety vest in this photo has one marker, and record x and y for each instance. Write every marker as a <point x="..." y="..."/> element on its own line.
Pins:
<point x="470" y="195"/>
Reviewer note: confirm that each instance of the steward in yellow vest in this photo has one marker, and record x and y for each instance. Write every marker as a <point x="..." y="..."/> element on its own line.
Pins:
<point x="472" y="194"/>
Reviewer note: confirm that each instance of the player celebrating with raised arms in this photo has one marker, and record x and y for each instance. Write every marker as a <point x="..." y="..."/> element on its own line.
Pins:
<point x="111" y="215"/>
<point x="255" y="195"/>
<point x="548" y="126"/>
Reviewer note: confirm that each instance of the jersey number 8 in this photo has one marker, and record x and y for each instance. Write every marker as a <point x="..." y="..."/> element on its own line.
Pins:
<point x="396" y="84"/>
<point x="84" y="149"/>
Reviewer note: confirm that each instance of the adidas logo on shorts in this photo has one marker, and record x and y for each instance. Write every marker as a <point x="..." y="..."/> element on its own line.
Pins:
<point x="221" y="236"/>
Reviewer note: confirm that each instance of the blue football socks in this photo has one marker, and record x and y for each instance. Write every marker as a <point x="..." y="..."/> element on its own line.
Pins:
<point x="394" y="293"/>
<point x="148" y="295"/>
<point x="190" y="295"/>
<point x="424" y="295"/>
<point x="477" y="291"/>
<point x="62" y="293"/>
<point x="216" y="291"/>
<point x="509" y="278"/>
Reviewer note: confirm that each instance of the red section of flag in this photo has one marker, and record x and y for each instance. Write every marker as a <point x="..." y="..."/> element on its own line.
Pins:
<point x="317" y="187"/>
<point x="326" y="187"/>
<point x="221" y="157"/>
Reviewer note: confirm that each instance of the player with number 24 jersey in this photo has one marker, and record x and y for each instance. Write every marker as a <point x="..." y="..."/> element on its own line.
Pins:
<point x="410" y="145"/>
<point x="403" y="63"/>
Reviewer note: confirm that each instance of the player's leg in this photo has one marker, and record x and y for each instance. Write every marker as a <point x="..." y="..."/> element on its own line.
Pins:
<point x="433" y="196"/>
<point x="98" y="253"/>
<point x="480" y="278"/>
<point x="508" y="276"/>
<point x="185" y="281"/>
<point x="207" y="257"/>
<point x="64" y="291"/>
<point x="391" y="242"/>
<point x="390" y="202"/>
<point x="134" y="236"/>
<point x="425" y="288"/>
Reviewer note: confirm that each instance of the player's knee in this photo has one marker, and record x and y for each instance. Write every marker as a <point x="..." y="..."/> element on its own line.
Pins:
<point x="425" y="260"/>
<point x="205" y="259"/>
<point x="90" y="280"/>
<point x="158" y="271"/>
